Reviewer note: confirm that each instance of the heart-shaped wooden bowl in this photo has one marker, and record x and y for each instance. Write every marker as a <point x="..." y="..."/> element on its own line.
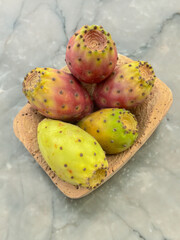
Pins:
<point x="149" y="114"/>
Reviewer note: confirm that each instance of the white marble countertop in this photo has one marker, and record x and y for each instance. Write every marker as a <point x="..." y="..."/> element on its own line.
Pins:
<point x="142" y="201"/>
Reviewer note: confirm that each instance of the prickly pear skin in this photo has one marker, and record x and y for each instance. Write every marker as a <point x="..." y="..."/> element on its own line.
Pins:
<point x="91" y="54"/>
<point x="74" y="155"/>
<point x="56" y="94"/>
<point x="128" y="86"/>
<point x="115" y="129"/>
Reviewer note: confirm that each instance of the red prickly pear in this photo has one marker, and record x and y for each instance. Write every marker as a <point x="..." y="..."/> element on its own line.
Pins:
<point x="56" y="94"/>
<point x="128" y="86"/>
<point x="91" y="54"/>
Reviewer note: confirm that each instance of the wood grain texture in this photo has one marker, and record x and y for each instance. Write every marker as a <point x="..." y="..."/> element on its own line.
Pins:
<point x="149" y="114"/>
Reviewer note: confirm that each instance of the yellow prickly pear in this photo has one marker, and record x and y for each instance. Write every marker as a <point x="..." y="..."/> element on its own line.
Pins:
<point x="115" y="129"/>
<point x="74" y="155"/>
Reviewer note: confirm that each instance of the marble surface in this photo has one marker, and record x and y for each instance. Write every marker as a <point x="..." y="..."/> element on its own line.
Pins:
<point x="142" y="201"/>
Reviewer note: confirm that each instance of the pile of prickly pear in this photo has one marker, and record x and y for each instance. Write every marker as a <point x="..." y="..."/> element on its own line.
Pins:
<point x="87" y="111"/>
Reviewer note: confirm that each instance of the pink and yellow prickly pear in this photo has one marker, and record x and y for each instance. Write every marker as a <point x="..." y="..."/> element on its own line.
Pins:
<point x="74" y="155"/>
<point x="115" y="129"/>
<point x="56" y="94"/>
<point x="128" y="86"/>
<point x="91" y="54"/>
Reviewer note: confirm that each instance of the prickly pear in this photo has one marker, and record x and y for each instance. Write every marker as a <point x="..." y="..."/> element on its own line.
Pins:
<point x="115" y="129"/>
<point x="74" y="155"/>
<point x="128" y="85"/>
<point x="56" y="94"/>
<point x="91" y="54"/>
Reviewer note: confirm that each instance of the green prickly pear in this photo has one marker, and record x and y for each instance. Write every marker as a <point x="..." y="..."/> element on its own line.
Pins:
<point x="91" y="54"/>
<point x="74" y="155"/>
<point x="128" y="86"/>
<point x="56" y="94"/>
<point x="115" y="129"/>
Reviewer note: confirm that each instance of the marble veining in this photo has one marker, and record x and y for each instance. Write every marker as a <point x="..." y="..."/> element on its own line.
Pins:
<point x="142" y="201"/>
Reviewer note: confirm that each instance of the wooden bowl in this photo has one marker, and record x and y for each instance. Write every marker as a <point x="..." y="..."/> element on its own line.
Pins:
<point x="149" y="114"/>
